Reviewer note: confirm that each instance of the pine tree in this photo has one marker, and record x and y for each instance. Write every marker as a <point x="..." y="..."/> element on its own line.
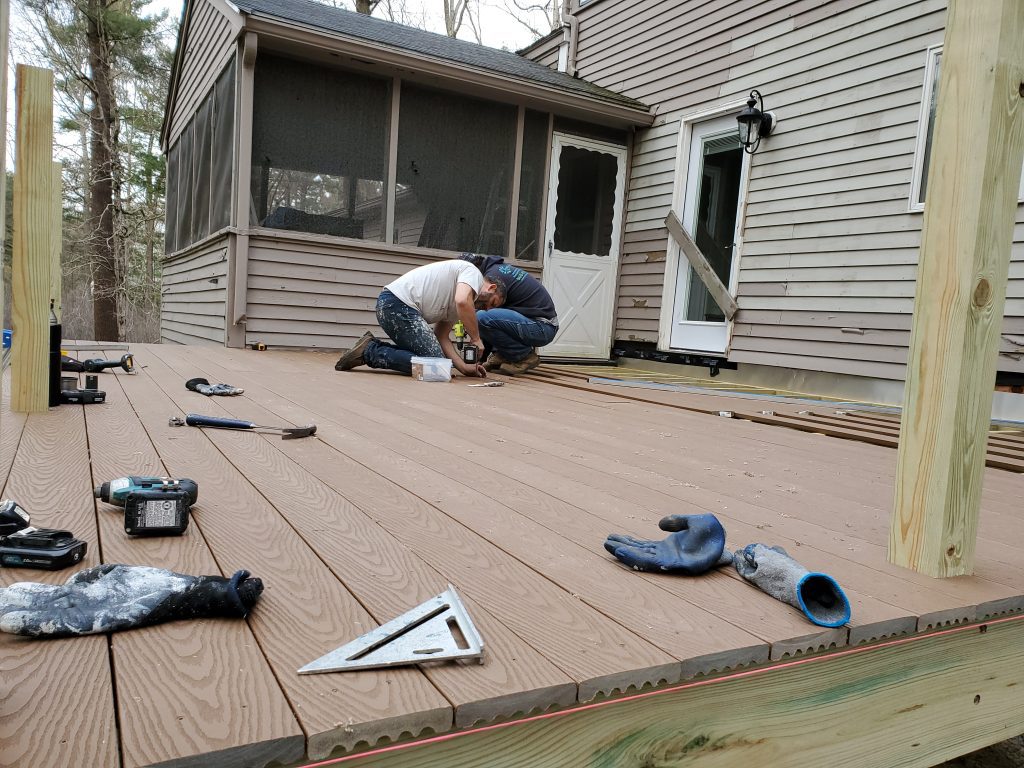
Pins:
<point x="111" y="67"/>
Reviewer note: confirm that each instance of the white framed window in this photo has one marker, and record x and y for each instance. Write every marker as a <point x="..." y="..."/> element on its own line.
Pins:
<point x="926" y="128"/>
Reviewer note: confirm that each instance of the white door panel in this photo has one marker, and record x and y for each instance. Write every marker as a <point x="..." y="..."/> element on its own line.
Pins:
<point x="584" y="223"/>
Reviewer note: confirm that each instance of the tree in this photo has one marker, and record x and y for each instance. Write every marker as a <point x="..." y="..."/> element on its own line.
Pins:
<point x="539" y="18"/>
<point x="111" y="67"/>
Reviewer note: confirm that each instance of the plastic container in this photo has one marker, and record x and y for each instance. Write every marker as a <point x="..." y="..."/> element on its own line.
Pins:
<point x="432" y="369"/>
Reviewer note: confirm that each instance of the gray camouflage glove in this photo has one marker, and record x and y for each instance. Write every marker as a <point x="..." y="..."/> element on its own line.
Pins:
<point x="772" y="570"/>
<point x="112" y="597"/>
<point x="204" y="387"/>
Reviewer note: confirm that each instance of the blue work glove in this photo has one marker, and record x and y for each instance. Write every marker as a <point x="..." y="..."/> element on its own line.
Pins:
<point x="772" y="570"/>
<point x="696" y="545"/>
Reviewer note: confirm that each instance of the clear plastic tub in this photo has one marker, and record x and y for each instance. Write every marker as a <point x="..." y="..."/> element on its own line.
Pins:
<point x="432" y="369"/>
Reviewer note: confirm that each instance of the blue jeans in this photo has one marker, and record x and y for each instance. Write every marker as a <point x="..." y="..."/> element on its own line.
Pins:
<point x="512" y="335"/>
<point x="407" y="328"/>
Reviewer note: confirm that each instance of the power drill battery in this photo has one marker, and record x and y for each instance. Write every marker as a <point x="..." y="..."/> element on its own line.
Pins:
<point x="156" y="512"/>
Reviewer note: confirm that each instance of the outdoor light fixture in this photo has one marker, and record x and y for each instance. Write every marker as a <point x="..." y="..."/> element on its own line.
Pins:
<point x="754" y="123"/>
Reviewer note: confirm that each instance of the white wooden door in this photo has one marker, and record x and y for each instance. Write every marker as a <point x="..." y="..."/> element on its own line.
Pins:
<point x="584" y="224"/>
<point x="716" y="170"/>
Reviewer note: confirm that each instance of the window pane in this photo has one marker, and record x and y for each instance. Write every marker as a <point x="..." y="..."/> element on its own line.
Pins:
<point x="183" y="236"/>
<point x="171" y="202"/>
<point x="201" y="162"/>
<point x="223" y="149"/>
<point x="454" y="172"/>
<point x="931" y="129"/>
<point x="531" y="186"/>
<point x="586" y="198"/>
<point x="319" y="149"/>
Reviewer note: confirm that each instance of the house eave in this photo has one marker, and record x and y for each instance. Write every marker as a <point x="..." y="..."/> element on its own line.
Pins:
<point x="431" y="70"/>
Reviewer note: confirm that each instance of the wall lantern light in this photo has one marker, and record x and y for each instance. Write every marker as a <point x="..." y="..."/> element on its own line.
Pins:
<point x="754" y="123"/>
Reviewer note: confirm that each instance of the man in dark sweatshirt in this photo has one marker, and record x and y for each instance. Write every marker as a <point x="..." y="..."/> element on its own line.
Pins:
<point x="526" y="321"/>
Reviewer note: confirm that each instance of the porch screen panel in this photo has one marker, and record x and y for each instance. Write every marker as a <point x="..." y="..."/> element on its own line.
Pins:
<point x="319" y="149"/>
<point x="201" y="165"/>
<point x="183" y="225"/>
<point x="454" y="171"/>
<point x="223" y="149"/>
<point x="171" y="202"/>
<point x="531" y="186"/>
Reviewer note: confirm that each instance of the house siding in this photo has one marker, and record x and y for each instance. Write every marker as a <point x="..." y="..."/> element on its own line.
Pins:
<point x="829" y="254"/>
<point x="194" y="295"/>
<point x="209" y="46"/>
<point x="545" y="51"/>
<point x="303" y="293"/>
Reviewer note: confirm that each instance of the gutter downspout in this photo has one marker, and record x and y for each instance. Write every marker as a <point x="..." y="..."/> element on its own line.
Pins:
<point x="569" y="20"/>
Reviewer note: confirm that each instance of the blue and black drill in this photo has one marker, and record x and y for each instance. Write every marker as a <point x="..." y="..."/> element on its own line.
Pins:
<point x="153" y="506"/>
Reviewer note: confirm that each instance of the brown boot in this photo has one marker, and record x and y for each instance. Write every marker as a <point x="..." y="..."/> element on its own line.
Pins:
<point x="528" y="363"/>
<point x="354" y="357"/>
<point x="494" y="362"/>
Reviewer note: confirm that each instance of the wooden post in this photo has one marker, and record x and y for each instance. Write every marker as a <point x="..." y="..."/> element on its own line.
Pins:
<point x="30" y="276"/>
<point x="5" y="11"/>
<point x="977" y="151"/>
<point x="56" y="235"/>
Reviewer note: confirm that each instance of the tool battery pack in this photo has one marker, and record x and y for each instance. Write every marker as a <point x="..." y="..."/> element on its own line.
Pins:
<point x="76" y="396"/>
<point x="46" y="548"/>
<point x="156" y="512"/>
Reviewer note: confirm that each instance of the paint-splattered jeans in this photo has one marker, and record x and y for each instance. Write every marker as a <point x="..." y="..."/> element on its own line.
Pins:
<point x="512" y="335"/>
<point x="406" y="327"/>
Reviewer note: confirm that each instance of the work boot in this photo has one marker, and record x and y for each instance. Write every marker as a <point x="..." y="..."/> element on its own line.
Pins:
<point x="494" y="362"/>
<point x="354" y="357"/>
<point x="529" y="362"/>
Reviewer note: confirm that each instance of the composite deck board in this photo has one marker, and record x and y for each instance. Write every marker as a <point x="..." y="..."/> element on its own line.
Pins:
<point x="304" y="608"/>
<point x="507" y="493"/>
<point x="596" y="652"/>
<point x="572" y="510"/>
<point x="383" y="574"/>
<point x="489" y="507"/>
<point x="56" y="696"/>
<point x="223" y="697"/>
<point x="874" y="618"/>
<point x="1002" y="489"/>
<point x="885" y="620"/>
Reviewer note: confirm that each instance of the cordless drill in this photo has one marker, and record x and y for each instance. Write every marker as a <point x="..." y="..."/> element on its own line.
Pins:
<point x="153" y="506"/>
<point x="466" y="347"/>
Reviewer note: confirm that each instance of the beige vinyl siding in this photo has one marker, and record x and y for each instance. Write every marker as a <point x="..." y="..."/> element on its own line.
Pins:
<point x="303" y="293"/>
<point x="545" y="50"/>
<point x="829" y="243"/>
<point x="209" y="45"/>
<point x="194" y="294"/>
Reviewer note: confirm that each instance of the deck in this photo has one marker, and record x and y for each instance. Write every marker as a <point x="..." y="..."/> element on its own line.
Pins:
<point x="506" y="493"/>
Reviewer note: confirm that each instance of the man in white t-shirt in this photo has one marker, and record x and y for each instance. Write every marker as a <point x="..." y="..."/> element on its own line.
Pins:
<point x="418" y="311"/>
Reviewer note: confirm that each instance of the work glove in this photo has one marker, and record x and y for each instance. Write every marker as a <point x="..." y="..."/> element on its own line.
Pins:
<point x="696" y="545"/>
<point x="111" y="597"/>
<point x="203" y="387"/>
<point x="818" y="596"/>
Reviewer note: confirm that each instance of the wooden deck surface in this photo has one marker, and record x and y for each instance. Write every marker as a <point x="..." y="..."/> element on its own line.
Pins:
<point x="507" y="493"/>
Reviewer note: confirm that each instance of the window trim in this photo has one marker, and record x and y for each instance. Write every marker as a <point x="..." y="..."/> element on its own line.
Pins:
<point x="932" y="53"/>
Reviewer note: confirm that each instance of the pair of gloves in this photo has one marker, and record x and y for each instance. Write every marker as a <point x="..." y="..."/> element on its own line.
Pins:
<point x="111" y="597"/>
<point x="204" y="387"/>
<point x="696" y="544"/>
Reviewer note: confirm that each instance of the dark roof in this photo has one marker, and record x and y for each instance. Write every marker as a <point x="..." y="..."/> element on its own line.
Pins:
<point x="366" y="28"/>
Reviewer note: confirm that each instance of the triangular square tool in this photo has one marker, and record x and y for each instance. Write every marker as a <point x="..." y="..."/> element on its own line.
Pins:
<point x="438" y="630"/>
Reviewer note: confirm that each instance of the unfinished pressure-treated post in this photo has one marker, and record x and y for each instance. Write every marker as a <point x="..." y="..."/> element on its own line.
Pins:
<point x="56" y="235"/>
<point x="30" y="274"/>
<point x="5" y="11"/>
<point x="976" y="157"/>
